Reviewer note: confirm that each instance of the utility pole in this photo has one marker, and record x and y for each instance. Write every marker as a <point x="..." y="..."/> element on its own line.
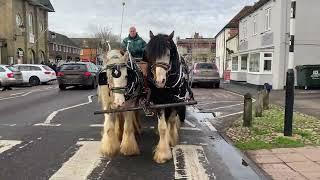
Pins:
<point x="123" y="4"/>
<point x="290" y="75"/>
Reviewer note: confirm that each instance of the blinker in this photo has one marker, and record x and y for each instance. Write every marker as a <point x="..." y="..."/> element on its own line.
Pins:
<point x="116" y="73"/>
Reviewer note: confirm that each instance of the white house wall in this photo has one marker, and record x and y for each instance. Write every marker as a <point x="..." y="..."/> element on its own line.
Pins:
<point x="307" y="42"/>
<point x="221" y="40"/>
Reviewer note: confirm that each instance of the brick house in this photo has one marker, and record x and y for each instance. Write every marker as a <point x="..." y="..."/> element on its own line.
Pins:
<point x="23" y="31"/>
<point x="62" y="48"/>
<point x="197" y="48"/>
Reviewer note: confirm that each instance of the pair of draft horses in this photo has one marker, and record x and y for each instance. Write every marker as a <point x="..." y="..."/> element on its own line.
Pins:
<point x="167" y="82"/>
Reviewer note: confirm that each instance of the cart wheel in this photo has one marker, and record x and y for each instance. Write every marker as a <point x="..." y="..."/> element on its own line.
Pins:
<point x="182" y="113"/>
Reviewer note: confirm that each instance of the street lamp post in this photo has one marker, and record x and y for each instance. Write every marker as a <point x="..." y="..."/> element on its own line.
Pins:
<point x="123" y="4"/>
<point x="290" y="76"/>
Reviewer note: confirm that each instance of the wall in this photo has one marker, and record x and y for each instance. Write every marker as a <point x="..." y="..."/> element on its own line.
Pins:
<point x="307" y="42"/>
<point x="259" y="79"/>
<point x="6" y="22"/>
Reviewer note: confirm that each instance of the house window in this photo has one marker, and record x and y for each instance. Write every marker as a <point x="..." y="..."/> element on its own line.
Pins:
<point x="19" y="20"/>
<point x="255" y="27"/>
<point x="244" y="30"/>
<point x="41" y="26"/>
<point x="31" y="24"/>
<point x="268" y="19"/>
<point x="244" y="62"/>
<point x="267" y="62"/>
<point x="235" y="63"/>
<point x="53" y="47"/>
<point x="254" y="63"/>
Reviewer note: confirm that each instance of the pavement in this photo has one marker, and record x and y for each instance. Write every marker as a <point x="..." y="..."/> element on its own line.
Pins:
<point x="50" y="134"/>
<point x="289" y="163"/>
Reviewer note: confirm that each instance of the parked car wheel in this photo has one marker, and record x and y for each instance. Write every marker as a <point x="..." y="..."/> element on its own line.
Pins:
<point x="62" y="87"/>
<point x="34" y="81"/>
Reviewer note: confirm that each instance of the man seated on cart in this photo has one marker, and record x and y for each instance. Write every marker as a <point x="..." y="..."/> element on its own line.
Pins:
<point x="136" y="49"/>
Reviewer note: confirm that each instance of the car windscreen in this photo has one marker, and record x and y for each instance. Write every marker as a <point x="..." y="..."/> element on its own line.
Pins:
<point x="13" y="69"/>
<point x="73" y="67"/>
<point x="207" y="66"/>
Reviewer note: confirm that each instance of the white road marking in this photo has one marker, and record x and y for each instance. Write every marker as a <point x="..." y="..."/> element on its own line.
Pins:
<point x="17" y="93"/>
<point x="22" y="94"/>
<point x="54" y="113"/>
<point x="210" y="126"/>
<point x="232" y="114"/>
<point x="96" y="125"/>
<point x="25" y="145"/>
<point x="189" y="123"/>
<point x="223" y="107"/>
<point x="48" y="125"/>
<point x="11" y="125"/>
<point x="204" y="118"/>
<point x="235" y="93"/>
<point x="190" y="162"/>
<point x="82" y="163"/>
<point x="7" y="144"/>
<point x="216" y="102"/>
<point x="183" y="128"/>
<point x="86" y="139"/>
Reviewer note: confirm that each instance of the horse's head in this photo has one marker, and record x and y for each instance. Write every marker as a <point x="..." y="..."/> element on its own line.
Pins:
<point x="117" y="74"/>
<point x="160" y="52"/>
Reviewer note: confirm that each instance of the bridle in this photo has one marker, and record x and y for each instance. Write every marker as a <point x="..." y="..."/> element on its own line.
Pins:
<point x="116" y="73"/>
<point x="165" y="66"/>
<point x="130" y="90"/>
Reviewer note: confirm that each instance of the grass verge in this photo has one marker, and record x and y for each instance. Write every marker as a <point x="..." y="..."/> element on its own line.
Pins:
<point x="267" y="131"/>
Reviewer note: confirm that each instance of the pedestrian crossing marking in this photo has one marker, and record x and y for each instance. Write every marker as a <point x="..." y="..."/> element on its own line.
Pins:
<point x="81" y="164"/>
<point x="190" y="163"/>
<point x="7" y="144"/>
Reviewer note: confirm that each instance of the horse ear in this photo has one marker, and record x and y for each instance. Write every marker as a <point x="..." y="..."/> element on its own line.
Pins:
<point x="151" y="35"/>
<point x="171" y="35"/>
<point x="125" y="57"/>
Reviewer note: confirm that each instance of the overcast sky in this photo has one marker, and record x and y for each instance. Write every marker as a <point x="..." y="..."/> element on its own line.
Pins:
<point x="76" y="18"/>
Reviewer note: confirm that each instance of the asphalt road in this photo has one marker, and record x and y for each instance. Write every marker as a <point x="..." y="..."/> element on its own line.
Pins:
<point x="50" y="134"/>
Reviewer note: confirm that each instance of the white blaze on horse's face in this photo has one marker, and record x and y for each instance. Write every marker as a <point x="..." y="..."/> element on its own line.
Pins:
<point x="119" y="98"/>
<point x="160" y="72"/>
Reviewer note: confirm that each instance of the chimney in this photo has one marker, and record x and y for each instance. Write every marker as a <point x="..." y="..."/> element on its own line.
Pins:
<point x="196" y="35"/>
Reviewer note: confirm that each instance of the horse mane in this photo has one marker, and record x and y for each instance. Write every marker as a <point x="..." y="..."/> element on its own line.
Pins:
<point x="157" y="47"/>
<point x="114" y="57"/>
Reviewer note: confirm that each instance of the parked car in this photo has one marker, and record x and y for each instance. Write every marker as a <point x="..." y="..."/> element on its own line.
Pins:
<point x="78" y="74"/>
<point x="35" y="74"/>
<point x="205" y="73"/>
<point x="10" y="76"/>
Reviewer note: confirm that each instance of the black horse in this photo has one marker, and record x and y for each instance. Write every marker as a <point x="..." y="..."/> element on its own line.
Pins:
<point x="168" y="82"/>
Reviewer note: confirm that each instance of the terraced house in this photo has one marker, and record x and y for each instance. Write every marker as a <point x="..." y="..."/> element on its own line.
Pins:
<point x="263" y="51"/>
<point x="24" y="31"/>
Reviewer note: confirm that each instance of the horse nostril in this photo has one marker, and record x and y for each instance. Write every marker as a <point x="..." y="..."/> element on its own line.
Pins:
<point x="163" y="80"/>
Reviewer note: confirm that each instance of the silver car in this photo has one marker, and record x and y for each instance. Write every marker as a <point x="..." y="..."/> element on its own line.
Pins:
<point x="205" y="73"/>
<point x="10" y="76"/>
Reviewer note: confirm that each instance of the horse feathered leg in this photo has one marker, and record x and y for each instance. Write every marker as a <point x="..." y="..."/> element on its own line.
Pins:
<point x="129" y="145"/>
<point x="110" y="144"/>
<point x="162" y="151"/>
<point x="119" y="122"/>
<point x="173" y="128"/>
<point x="136" y="122"/>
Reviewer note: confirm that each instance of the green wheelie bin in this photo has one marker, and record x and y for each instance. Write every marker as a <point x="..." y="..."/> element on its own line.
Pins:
<point x="308" y="76"/>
